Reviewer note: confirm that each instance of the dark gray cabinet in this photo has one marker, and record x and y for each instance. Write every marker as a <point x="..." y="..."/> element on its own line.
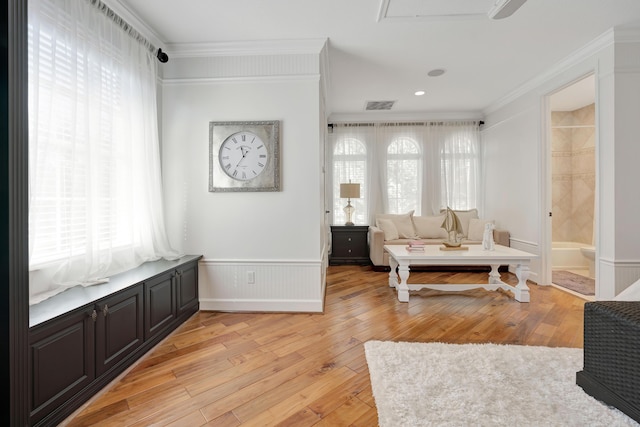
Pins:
<point x="160" y="312"/>
<point x="81" y="339"/>
<point x="169" y="297"/>
<point x="187" y="288"/>
<point x="118" y="327"/>
<point x="62" y="361"/>
<point x="349" y="244"/>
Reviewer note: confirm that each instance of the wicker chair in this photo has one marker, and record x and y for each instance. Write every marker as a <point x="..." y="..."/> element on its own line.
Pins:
<point x="611" y="371"/>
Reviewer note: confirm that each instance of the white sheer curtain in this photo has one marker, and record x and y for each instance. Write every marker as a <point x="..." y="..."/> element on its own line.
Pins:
<point x="95" y="196"/>
<point x="459" y="145"/>
<point x="422" y="166"/>
<point x="352" y="155"/>
<point x="404" y="172"/>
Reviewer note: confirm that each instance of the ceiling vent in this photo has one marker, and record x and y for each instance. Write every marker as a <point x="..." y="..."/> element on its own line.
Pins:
<point x="379" y="105"/>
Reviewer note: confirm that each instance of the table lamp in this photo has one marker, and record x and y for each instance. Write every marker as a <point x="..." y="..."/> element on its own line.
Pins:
<point x="349" y="191"/>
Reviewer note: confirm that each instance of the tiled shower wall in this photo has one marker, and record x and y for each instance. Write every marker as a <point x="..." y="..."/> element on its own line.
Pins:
<point x="573" y="174"/>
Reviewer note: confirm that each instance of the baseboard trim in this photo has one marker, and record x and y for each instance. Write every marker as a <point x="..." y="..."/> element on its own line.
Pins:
<point x="279" y="306"/>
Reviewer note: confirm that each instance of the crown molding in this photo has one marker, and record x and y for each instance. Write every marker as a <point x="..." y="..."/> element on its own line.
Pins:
<point x="599" y="43"/>
<point x="626" y="34"/>
<point x="176" y="81"/>
<point x="247" y="48"/>
<point x="135" y="21"/>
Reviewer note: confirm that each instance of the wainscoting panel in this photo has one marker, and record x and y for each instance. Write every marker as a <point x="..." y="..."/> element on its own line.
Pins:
<point x="254" y="285"/>
<point x="534" y="267"/>
<point x="621" y="273"/>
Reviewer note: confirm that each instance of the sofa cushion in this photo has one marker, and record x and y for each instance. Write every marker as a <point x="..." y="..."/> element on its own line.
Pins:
<point x="430" y="227"/>
<point x="388" y="228"/>
<point x="464" y="217"/>
<point x="403" y="224"/>
<point x="476" y="228"/>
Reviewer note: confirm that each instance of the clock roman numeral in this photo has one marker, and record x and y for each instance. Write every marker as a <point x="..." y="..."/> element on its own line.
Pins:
<point x="244" y="175"/>
<point x="234" y="140"/>
<point x="227" y="166"/>
<point x="260" y="164"/>
<point x="262" y="156"/>
<point x="235" y="172"/>
<point x="244" y="137"/>
<point x="260" y="146"/>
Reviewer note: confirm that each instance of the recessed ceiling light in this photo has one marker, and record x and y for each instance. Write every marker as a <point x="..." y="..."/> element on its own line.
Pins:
<point x="419" y="93"/>
<point x="435" y="73"/>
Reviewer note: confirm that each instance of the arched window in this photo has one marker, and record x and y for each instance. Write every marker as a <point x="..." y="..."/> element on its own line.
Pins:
<point x="350" y="165"/>
<point x="403" y="176"/>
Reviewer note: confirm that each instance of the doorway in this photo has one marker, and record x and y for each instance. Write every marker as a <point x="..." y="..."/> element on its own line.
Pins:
<point x="572" y="177"/>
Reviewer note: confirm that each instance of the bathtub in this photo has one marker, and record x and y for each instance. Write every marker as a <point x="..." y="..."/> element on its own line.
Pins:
<point x="567" y="256"/>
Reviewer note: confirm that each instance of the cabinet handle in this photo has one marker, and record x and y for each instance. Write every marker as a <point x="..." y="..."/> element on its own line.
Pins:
<point x="94" y="315"/>
<point x="349" y="250"/>
<point x="105" y="310"/>
<point x="349" y="239"/>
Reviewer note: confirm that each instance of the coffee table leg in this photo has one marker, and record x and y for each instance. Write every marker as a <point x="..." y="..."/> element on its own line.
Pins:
<point x="403" y="289"/>
<point x="393" y="275"/>
<point x="494" y="275"/>
<point x="522" y="290"/>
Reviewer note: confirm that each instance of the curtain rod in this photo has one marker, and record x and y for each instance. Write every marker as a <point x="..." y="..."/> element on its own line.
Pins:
<point x="439" y="122"/>
<point x="109" y="13"/>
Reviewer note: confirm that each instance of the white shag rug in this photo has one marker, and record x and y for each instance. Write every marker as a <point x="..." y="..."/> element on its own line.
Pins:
<point x="437" y="384"/>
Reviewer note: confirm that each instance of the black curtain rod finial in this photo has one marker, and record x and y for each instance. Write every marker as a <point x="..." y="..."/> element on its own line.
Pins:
<point x="162" y="57"/>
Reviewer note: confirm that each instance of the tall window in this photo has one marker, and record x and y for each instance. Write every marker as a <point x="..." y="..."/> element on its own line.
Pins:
<point x="460" y="169"/>
<point x="95" y="201"/>
<point x="403" y="176"/>
<point x="350" y="165"/>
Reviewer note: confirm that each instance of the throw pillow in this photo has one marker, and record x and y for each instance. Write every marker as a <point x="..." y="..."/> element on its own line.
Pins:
<point x="389" y="229"/>
<point x="464" y="217"/>
<point x="430" y="227"/>
<point x="476" y="228"/>
<point x="403" y="224"/>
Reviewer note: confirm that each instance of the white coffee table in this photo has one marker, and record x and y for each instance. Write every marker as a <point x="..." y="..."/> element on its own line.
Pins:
<point x="401" y="258"/>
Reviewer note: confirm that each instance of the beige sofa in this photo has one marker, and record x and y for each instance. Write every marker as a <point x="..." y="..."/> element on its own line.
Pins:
<point x="397" y="229"/>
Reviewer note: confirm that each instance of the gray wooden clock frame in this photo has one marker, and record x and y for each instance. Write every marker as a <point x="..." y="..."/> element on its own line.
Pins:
<point x="268" y="180"/>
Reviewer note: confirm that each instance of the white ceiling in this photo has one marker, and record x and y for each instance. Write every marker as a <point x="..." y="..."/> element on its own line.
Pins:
<point x="382" y="49"/>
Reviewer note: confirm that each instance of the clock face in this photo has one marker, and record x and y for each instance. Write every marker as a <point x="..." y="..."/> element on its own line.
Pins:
<point x="243" y="156"/>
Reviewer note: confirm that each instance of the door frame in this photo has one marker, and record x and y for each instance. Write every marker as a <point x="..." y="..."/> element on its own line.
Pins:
<point x="546" y="176"/>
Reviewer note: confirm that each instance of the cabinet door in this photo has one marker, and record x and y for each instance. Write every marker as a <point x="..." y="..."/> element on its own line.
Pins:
<point x="187" y="288"/>
<point x="119" y="327"/>
<point x="61" y="361"/>
<point x="160" y="304"/>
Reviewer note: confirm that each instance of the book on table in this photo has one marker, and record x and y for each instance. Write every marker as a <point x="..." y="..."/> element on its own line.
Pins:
<point x="416" y="246"/>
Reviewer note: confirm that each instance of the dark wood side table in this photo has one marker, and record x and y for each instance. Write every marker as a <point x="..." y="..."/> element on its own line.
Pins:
<point x="349" y="244"/>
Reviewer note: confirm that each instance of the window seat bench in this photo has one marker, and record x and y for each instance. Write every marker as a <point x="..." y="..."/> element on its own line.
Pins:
<point x="83" y="338"/>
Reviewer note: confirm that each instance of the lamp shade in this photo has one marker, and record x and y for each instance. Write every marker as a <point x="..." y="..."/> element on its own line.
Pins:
<point x="350" y="191"/>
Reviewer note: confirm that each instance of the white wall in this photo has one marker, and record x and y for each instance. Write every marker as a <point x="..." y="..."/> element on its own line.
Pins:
<point x="275" y="235"/>
<point x="515" y="139"/>
<point x="511" y="165"/>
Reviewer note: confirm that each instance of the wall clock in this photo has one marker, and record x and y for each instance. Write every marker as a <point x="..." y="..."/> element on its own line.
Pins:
<point x="244" y="156"/>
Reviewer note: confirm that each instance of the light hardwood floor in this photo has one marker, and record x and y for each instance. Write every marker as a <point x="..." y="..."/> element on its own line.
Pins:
<point x="259" y="369"/>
